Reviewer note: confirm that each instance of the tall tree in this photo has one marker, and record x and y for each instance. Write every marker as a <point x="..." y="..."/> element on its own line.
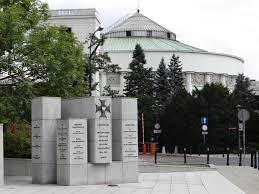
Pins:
<point x="243" y="94"/>
<point x="175" y="75"/>
<point x="139" y="82"/>
<point x="161" y="87"/>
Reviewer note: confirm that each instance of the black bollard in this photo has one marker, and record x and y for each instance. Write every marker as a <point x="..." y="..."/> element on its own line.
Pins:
<point x="227" y="156"/>
<point x="252" y="158"/>
<point x="240" y="157"/>
<point x="255" y="159"/>
<point x="208" y="155"/>
<point x="184" y="155"/>
<point x="155" y="156"/>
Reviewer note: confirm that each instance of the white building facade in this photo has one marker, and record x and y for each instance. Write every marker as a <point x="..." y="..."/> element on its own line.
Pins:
<point x="199" y="66"/>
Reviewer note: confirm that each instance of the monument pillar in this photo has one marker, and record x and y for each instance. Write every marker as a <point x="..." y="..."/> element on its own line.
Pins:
<point x="45" y="112"/>
<point x="125" y="136"/>
<point x="72" y="152"/>
<point x="1" y="155"/>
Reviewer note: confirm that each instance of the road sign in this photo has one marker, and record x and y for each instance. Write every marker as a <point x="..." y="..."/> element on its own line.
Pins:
<point x="204" y="120"/>
<point x="204" y="132"/>
<point x="156" y="131"/>
<point x="157" y="126"/>
<point x="243" y="115"/>
<point x="204" y="128"/>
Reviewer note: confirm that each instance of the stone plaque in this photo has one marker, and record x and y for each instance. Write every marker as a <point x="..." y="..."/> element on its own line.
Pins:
<point x="72" y="141"/>
<point x="130" y="140"/>
<point x="100" y="141"/>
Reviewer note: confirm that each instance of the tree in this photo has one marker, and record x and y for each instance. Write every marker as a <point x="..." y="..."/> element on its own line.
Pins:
<point x="35" y="59"/>
<point x="139" y="82"/>
<point x="175" y="75"/>
<point x="97" y="61"/>
<point x="161" y="86"/>
<point x="243" y="94"/>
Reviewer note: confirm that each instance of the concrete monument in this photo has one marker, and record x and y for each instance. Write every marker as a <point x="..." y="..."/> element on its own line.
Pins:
<point x="72" y="152"/>
<point x="83" y="148"/>
<point x="125" y="136"/>
<point x="98" y="112"/>
<point x="45" y="112"/>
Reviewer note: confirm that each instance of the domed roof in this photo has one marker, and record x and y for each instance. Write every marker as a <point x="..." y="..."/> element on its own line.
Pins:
<point x="140" y="25"/>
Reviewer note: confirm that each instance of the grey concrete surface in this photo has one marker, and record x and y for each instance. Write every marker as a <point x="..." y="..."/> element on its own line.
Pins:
<point x="246" y="178"/>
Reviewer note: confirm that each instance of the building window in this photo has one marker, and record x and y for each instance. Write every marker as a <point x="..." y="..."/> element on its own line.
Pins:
<point x="168" y="35"/>
<point x="68" y="29"/>
<point x="128" y="33"/>
<point x="149" y="33"/>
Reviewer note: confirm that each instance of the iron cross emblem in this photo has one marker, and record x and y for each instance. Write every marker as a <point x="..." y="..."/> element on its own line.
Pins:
<point x="103" y="108"/>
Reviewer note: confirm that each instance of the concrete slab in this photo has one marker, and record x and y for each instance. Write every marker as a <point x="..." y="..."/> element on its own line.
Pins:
<point x="156" y="183"/>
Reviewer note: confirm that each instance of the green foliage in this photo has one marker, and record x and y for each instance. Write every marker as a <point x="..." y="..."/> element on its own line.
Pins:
<point x="175" y="75"/>
<point x="35" y="59"/>
<point x="139" y="82"/>
<point x="161" y="86"/>
<point x="97" y="61"/>
<point x="110" y="92"/>
<point x="18" y="144"/>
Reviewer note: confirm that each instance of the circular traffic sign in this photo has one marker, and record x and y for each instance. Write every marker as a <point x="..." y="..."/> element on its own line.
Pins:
<point x="243" y="115"/>
<point x="157" y="126"/>
<point x="204" y="127"/>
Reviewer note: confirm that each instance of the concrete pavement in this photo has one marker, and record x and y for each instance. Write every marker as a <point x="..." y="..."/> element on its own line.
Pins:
<point x="246" y="178"/>
<point x="205" y="182"/>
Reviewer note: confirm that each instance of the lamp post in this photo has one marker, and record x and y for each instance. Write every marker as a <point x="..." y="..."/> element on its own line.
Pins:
<point x="91" y="53"/>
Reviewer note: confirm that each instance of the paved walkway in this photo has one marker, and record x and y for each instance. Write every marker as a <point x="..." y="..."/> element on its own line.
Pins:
<point x="246" y="178"/>
<point x="205" y="182"/>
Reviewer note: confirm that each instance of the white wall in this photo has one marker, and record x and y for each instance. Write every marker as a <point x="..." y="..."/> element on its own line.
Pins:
<point x="197" y="62"/>
<point x="82" y="25"/>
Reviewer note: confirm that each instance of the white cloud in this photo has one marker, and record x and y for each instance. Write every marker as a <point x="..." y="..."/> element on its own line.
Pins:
<point x="228" y="26"/>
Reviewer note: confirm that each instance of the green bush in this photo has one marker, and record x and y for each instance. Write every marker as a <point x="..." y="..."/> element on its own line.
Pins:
<point x="17" y="143"/>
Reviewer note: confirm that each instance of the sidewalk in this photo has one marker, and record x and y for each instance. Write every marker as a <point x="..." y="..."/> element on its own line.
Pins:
<point x="246" y="178"/>
<point x="205" y="182"/>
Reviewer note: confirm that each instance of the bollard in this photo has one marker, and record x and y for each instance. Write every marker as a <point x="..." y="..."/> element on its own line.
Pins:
<point x="208" y="155"/>
<point x="155" y="155"/>
<point x="227" y="156"/>
<point x="255" y="162"/>
<point x="252" y="158"/>
<point x="184" y="155"/>
<point x="240" y="157"/>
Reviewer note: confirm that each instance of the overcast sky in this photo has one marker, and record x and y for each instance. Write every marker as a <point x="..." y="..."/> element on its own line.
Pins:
<point x="224" y="26"/>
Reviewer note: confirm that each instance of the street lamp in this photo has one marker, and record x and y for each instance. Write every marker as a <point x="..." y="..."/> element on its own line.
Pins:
<point x="91" y="54"/>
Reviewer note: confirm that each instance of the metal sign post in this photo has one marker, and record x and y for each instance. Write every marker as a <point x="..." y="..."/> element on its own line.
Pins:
<point x="243" y="115"/>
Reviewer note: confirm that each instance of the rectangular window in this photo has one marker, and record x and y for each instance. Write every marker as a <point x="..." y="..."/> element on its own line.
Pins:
<point x="68" y="29"/>
<point x="149" y="33"/>
<point x="168" y="35"/>
<point x="128" y="33"/>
